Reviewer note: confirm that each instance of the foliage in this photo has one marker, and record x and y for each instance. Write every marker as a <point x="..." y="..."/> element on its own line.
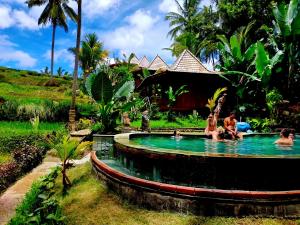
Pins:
<point x="287" y="34"/>
<point x="180" y="122"/>
<point x="39" y="205"/>
<point x="26" y="88"/>
<point x="46" y="110"/>
<point x="110" y="98"/>
<point x="91" y="54"/>
<point x="26" y="151"/>
<point x="183" y="20"/>
<point x="273" y="98"/>
<point x="28" y="157"/>
<point x="9" y="172"/>
<point x="172" y="96"/>
<point x="261" y="125"/>
<point x="84" y="124"/>
<point x="211" y="102"/>
<point x="67" y="150"/>
<point x="238" y="13"/>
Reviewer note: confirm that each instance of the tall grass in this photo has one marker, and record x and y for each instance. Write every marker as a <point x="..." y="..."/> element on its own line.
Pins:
<point x="8" y="128"/>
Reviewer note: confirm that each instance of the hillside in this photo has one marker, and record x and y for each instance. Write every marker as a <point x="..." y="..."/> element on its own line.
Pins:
<point x="30" y="86"/>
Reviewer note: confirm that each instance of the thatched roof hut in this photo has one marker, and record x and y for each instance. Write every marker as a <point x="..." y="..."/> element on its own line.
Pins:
<point x="186" y="70"/>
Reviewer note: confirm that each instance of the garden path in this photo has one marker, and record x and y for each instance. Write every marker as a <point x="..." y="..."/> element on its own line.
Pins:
<point x="10" y="199"/>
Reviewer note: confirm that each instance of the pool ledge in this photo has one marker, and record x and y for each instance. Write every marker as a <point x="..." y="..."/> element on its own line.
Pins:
<point x="201" y="201"/>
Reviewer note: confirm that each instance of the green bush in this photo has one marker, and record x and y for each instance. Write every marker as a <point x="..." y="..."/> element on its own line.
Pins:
<point x="39" y="205"/>
<point x="27" y="152"/>
<point x="261" y="125"/>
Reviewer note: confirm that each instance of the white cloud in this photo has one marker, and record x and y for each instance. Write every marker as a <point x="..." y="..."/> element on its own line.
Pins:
<point x="24" y="20"/>
<point x="93" y="8"/>
<point x="9" y="53"/>
<point x="61" y="55"/>
<point x="143" y="34"/>
<point x="5" y="17"/>
<point x="168" y="6"/>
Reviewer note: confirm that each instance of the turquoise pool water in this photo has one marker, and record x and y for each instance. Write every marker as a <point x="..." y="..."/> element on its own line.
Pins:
<point x="252" y="145"/>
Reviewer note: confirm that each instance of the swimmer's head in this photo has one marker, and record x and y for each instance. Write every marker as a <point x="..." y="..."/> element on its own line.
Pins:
<point x="285" y="133"/>
<point x="176" y="133"/>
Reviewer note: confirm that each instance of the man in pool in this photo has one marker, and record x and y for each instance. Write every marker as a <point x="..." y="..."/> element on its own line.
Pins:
<point x="211" y="127"/>
<point x="230" y="126"/>
<point x="284" y="138"/>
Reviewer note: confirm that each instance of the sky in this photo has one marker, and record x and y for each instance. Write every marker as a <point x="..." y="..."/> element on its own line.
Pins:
<point x="124" y="26"/>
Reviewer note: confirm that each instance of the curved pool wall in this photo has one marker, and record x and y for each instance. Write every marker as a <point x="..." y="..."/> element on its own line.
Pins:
<point x="227" y="186"/>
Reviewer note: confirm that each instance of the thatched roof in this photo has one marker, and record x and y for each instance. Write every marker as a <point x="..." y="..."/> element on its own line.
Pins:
<point x="135" y="60"/>
<point x="188" y="63"/>
<point x="144" y="62"/>
<point x="158" y="63"/>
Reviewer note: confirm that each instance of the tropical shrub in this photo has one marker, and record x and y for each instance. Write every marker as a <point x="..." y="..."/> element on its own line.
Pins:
<point x="66" y="150"/>
<point x="28" y="156"/>
<point x="110" y="99"/>
<point x="172" y="97"/>
<point x="273" y="98"/>
<point x="9" y="172"/>
<point x="27" y="152"/>
<point x="261" y="125"/>
<point x="84" y="124"/>
<point x="39" y="205"/>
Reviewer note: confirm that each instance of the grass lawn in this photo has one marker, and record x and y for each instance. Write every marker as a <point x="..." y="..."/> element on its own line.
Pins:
<point x="180" y="123"/>
<point x="10" y="128"/>
<point x="29" y="87"/>
<point x="89" y="202"/>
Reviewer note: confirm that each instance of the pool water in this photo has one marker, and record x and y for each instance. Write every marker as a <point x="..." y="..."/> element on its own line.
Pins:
<point x="251" y="145"/>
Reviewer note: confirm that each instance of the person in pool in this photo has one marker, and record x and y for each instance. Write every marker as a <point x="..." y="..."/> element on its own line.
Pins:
<point x="211" y="127"/>
<point x="177" y="134"/>
<point x="230" y="126"/>
<point x="284" y="138"/>
<point x="292" y="134"/>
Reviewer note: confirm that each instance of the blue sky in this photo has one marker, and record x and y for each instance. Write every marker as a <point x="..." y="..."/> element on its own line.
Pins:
<point x="123" y="26"/>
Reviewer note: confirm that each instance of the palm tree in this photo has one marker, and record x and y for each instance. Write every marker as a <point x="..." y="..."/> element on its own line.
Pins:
<point x="72" y="112"/>
<point x="60" y="71"/>
<point x="55" y="13"/>
<point x="90" y="54"/>
<point x="66" y="150"/>
<point x="184" y="20"/>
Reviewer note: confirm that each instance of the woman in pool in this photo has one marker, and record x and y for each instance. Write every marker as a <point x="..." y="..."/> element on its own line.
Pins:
<point x="284" y="138"/>
<point x="211" y="128"/>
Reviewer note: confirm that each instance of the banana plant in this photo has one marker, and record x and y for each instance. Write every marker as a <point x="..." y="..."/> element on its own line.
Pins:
<point x="287" y="27"/>
<point x="109" y="98"/>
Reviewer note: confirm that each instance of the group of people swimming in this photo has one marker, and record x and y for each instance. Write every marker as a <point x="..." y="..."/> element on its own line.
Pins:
<point x="219" y="133"/>
<point x="230" y="131"/>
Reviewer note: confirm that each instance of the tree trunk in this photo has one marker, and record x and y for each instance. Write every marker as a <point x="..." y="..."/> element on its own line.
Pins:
<point x="52" y="48"/>
<point x="72" y="111"/>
